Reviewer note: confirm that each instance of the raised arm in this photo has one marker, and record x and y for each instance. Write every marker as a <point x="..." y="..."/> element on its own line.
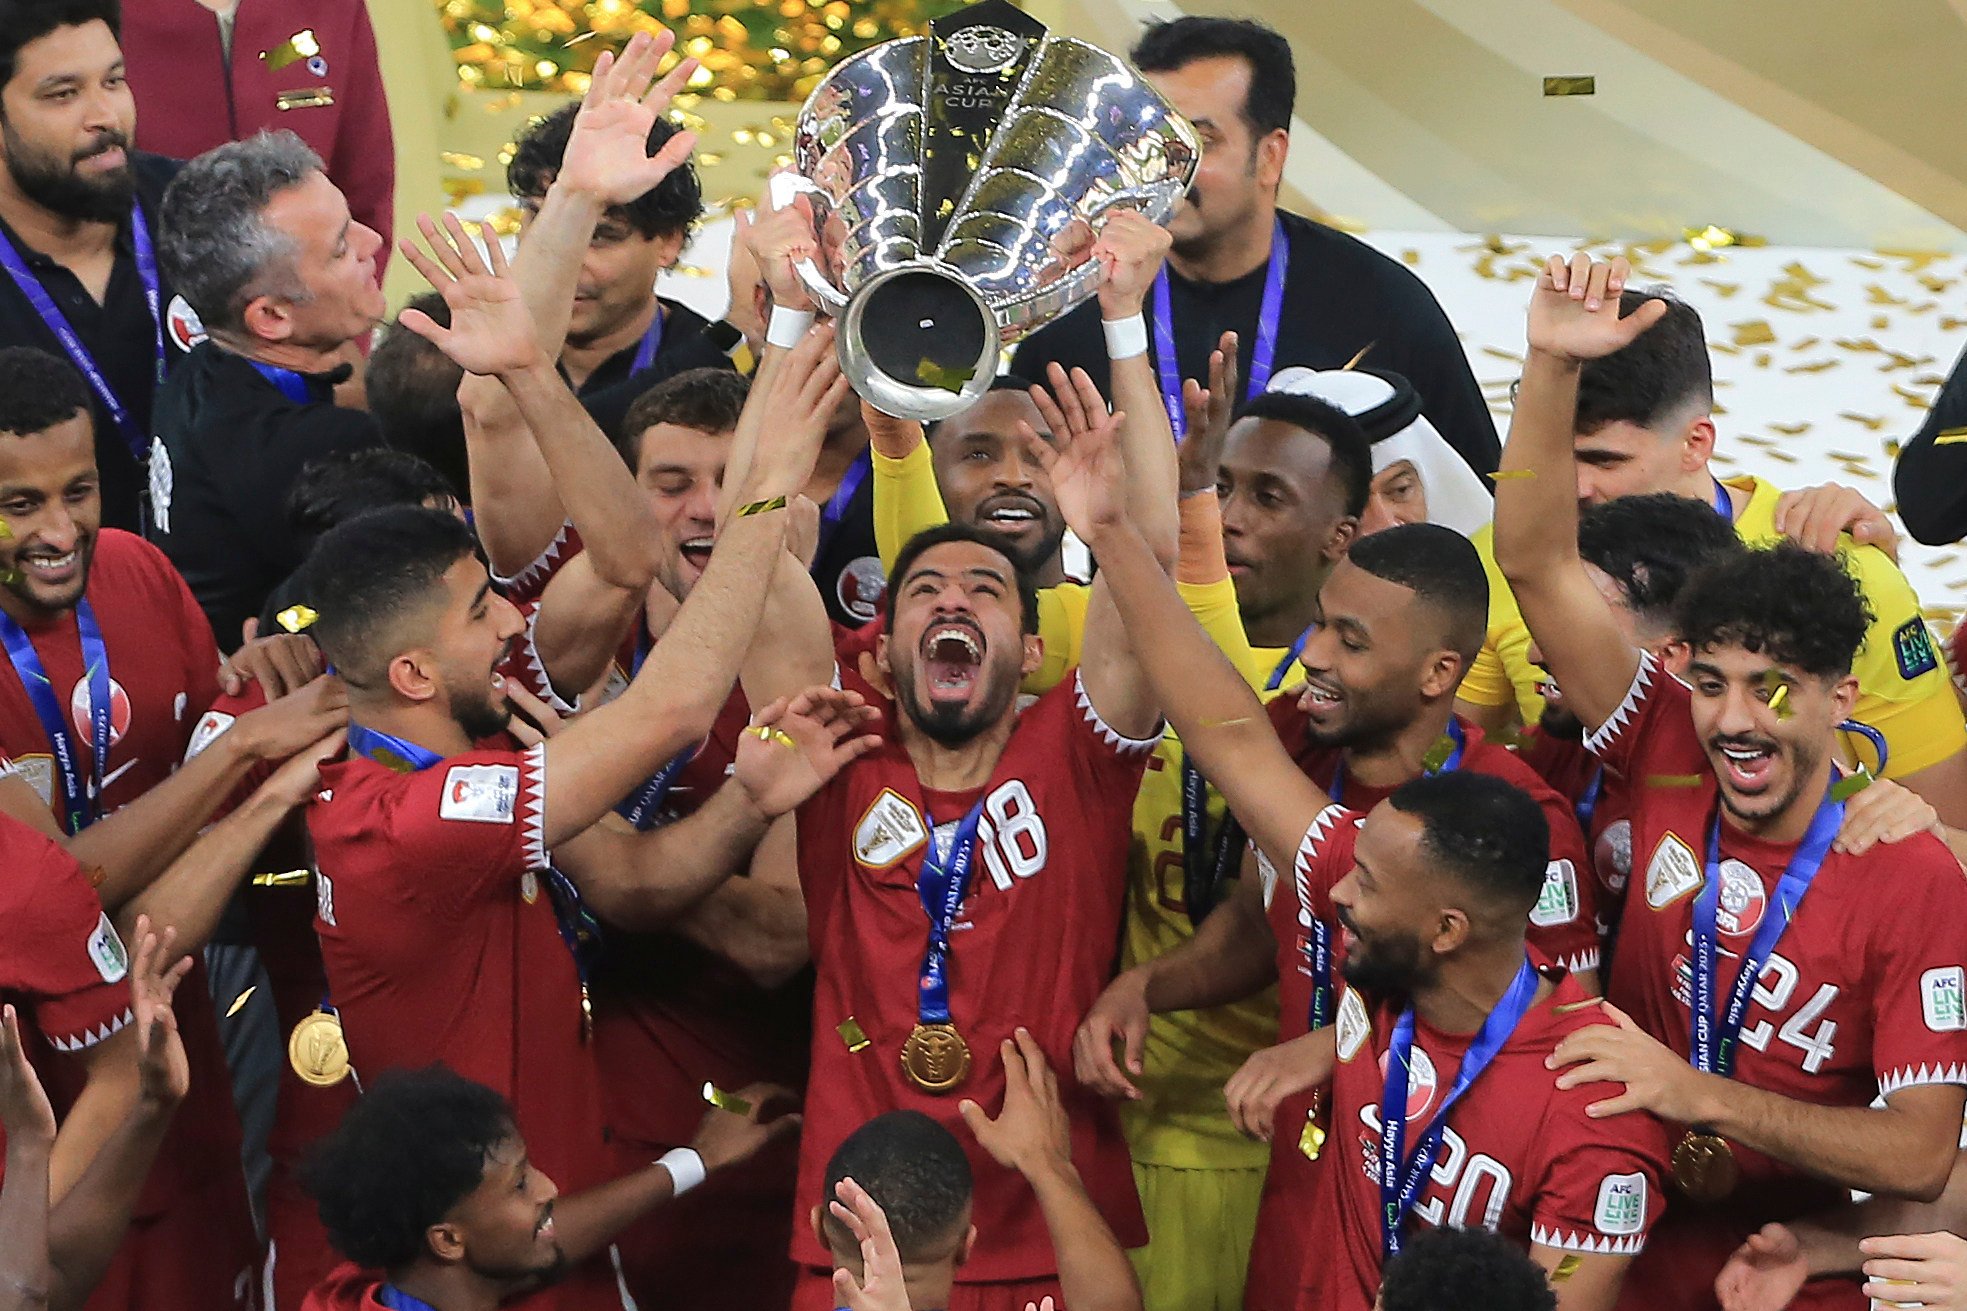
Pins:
<point x="1574" y="316"/>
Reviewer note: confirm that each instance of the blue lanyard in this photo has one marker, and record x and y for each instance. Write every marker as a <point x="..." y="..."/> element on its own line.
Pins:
<point x="71" y="344"/>
<point x="1453" y="762"/>
<point x="397" y="1300"/>
<point x="1871" y="735"/>
<point x="1400" y="1178"/>
<point x="81" y="798"/>
<point x="1269" y="315"/>
<point x="292" y="384"/>
<point x="1722" y="505"/>
<point x="1317" y="948"/>
<point x="642" y="807"/>
<point x="1206" y="865"/>
<point x="941" y="885"/>
<point x="645" y="354"/>
<point x="1588" y="803"/>
<point x="1291" y="657"/>
<point x="1712" y="1049"/>
<point x="836" y="505"/>
<point x="578" y="927"/>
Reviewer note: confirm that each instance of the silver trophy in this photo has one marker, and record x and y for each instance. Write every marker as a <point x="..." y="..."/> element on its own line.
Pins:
<point x="957" y="181"/>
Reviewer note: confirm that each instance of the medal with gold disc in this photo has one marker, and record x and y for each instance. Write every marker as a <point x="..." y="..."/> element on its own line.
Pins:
<point x="317" y="1049"/>
<point x="935" y="1058"/>
<point x="1704" y="1165"/>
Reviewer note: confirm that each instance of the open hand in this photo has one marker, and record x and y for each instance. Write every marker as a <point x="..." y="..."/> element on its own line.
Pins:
<point x="491" y="331"/>
<point x="1255" y="1091"/>
<point x="25" y="1114"/>
<point x="881" y="1286"/>
<point x="280" y="728"/>
<point x="1815" y="517"/>
<point x="607" y="153"/>
<point x="1031" y="1133"/>
<point x="805" y="392"/>
<point x="795" y="746"/>
<point x="1764" y="1273"/>
<point x="1199" y="458"/>
<point x="1884" y="811"/>
<point x="1083" y="459"/>
<point x="1621" y="1052"/>
<point x="1120" y="1014"/>
<point x="1574" y="312"/>
<point x="164" y="1075"/>
<point x="726" y="1137"/>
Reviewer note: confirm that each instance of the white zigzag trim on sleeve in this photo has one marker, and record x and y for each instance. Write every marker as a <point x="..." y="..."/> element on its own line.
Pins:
<point x="1908" y="1076"/>
<point x="533" y="813"/>
<point x="1126" y="746"/>
<point x="530" y="648"/>
<point x="84" y="1041"/>
<point x="1578" y="962"/>
<point x="541" y="562"/>
<point x="1321" y="824"/>
<point x="1564" y="1240"/>
<point x="1608" y="732"/>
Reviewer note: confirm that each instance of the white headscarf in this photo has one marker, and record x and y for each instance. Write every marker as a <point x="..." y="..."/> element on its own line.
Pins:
<point x="1389" y="409"/>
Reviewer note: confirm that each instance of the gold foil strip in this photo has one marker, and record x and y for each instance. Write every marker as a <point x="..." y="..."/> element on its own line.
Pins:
<point x="313" y="97"/>
<point x="301" y="45"/>
<point x="239" y="1002"/>
<point x="853" y="1035"/>
<point x="1586" y="85"/>
<point x="724" y="1101"/>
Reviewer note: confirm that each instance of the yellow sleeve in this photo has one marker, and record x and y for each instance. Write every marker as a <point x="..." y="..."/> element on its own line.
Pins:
<point x="1502" y="671"/>
<point x="1214" y="607"/>
<point x="1062" y="630"/>
<point x="906" y="500"/>
<point x="1903" y="690"/>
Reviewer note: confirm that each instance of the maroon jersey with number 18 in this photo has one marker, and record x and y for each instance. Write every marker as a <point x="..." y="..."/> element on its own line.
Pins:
<point x="1862" y="996"/>
<point x="1033" y="945"/>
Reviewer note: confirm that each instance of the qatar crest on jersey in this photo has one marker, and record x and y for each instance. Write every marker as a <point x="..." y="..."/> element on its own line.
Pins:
<point x="1672" y="873"/>
<point x="889" y="831"/>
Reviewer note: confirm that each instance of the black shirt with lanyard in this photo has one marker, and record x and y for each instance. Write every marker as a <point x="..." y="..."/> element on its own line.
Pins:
<point x="123" y="346"/>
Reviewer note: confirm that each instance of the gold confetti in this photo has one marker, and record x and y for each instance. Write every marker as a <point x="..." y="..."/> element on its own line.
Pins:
<point x="1879" y="323"/>
<point x="1915" y="260"/>
<point x="1762" y="359"/>
<point x="1778" y="688"/>
<point x="297" y="618"/>
<point x="853" y="1035"/>
<point x="1784" y="456"/>
<point x="1950" y="436"/>
<point x="1567" y="1265"/>
<point x="1753" y="332"/>
<point x="1877" y="295"/>
<point x="1507" y="475"/>
<point x="459" y="159"/>
<point x="1675" y="780"/>
<point x="1804" y="344"/>
<point x="1722" y="289"/>
<point x="1570" y="86"/>
<point x="1501" y="354"/>
<point x="6" y="531"/>
<point x="1226" y="723"/>
<point x="1850" y="785"/>
<point x="1410" y="257"/>
<point x="301" y="45"/>
<point x="1814" y="366"/>
<point x="314" y="97"/>
<point x="1873" y="422"/>
<point x="724" y="1101"/>
<point x="239" y="1002"/>
<point x="289" y="878"/>
<point x="1791" y="429"/>
<point x="1312" y="1141"/>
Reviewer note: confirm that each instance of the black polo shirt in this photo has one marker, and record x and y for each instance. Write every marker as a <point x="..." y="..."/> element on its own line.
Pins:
<point x="119" y="335"/>
<point x="1341" y="297"/>
<point x="229" y="445"/>
<point x="615" y="382"/>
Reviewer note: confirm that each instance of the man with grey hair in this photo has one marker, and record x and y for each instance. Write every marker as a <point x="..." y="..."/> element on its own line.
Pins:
<point x="261" y="244"/>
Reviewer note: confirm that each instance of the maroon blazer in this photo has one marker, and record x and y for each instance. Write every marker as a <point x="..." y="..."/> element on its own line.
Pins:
<point x="190" y="98"/>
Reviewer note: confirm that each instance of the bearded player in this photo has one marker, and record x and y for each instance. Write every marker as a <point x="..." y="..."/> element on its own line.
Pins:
<point x="1776" y="986"/>
<point x="1440" y="897"/>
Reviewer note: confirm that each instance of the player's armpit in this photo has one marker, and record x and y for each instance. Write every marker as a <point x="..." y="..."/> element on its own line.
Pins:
<point x="579" y="626"/>
<point x="1583" y="1282"/>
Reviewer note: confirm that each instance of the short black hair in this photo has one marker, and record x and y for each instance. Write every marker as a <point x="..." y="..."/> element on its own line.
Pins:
<point x="1464" y="1270"/>
<point x="409" y="1150"/>
<point x="413" y="391"/>
<point x="23" y="22"/>
<point x="1441" y="568"/>
<point x="672" y="207"/>
<point x="1165" y="47"/>
<point x="366" y="571"/>
<point x="1801" y="608"/>
<point x="915" y="1171"/>
<point x="340" y="486"/>
<point x="709" y="399"/>
<point x="1488" y="834"/>
<point x="1665" y="369"/>
<point x="1002" y="382"/>
<point x="942" y="535"/>
<point x="1352" y="450"/>
<point x="1651" y="545"/>
<point x="37" y="391"/>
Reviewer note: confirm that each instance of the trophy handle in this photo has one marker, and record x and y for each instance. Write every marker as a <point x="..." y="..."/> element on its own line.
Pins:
<point x="787" y="186"/>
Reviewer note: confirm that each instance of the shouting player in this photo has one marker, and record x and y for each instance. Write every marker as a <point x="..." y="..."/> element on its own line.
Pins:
<point x="1776" y="985"/>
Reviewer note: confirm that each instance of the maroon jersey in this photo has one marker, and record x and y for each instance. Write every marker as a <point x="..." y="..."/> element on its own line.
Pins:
<point x="438" y="932"/>
<point x="1862" y="996"/>
<point x="529" y="584"/>
<point x="1033" y="944"/>
<point x="62" y="964"/>
<point x="1602" y="800"/>
<point x="1518" y="1156"/>
<point x="1564" y="922"/>
<point x="347" y="1288"/>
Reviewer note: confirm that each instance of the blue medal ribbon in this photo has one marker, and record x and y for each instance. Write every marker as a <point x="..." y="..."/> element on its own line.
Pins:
<point x="1270" y="315"/>
<point x="642" y="807"/>
<point x="1873" y="736"/>
<point x="1317" y="948"/>
<point x="81" y="796"/>
<point x="1712" y="1049"/>
<point x="579" y="929"/>
<point x="1206" y="866"/>
<point x="1722" y="505"/>
<point x="1456" y="734"/>
<point x="836" y="505"/>
<point x="645" y="354"/>
<point x="1400" y="1177"/>
<point x="1291" y="657"/>
<point x="71" y="343"/>
<point x="291" y="382"/>
<point x="397" y="1300"/>
<point x="1588" y="803"/>
<point x="941" y="885"/>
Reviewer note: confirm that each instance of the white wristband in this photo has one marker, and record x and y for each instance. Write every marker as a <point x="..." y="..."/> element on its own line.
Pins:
<point x="788" y="326"/>
<point x="1125" y="338"/>
<point x="685" y="1169"/>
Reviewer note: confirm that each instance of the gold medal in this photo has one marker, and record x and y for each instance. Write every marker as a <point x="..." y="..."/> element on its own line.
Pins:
<point x="935" y="1058"/>
<point x="1704" y="1166"/>
<point x="318" y="1051"/>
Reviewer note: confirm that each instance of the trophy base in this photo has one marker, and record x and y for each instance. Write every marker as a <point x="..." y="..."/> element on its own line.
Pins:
<point x="919" y="343"/>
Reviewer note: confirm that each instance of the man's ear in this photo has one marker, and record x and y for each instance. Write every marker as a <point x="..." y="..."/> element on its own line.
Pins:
<point x="445" y="1241"/>
<point x="266" y="319"/>
<point x="1034" y="654"/>
<point x="413" y="674"/>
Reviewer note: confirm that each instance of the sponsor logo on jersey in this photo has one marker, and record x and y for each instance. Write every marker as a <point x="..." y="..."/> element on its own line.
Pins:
<point x="889" y="831"/>
<point x="182" y="324"/>
<point x="1672" y="873"/>
<point x="1742" y="900"/>
<point x="1912" y="646"/>
<point x="1943" y="999"/>
<point x="1621" y="1207"/>
<point x="1352" y="1025"/>
<point x="862" y="586"/>
<point x="210" y="725"/>
<point x="81" y="707"/>
<point x="1558" y="902"/>
<point x="106" y="951"/>
<point x="483" y="794"/>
